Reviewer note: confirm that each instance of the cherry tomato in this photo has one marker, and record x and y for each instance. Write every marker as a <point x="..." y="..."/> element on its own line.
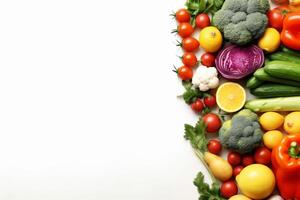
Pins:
<point x="214" y="146"/>
<point x="237" y="170"/>
<point x="276" y="16"/>
<point x="262" y="155"/>
<point x="189" y="59"/>
<point x="202" y="20"/>
<point x="190" y="44"/>
<point x="185" y="73"/>
<point x="234" y="158"/>
<point x="210" y="101"/>
<point x="208" y="59"/>
<point x="197" y="106"/>
<point x="212" y="122"/>
<point x="183" y="15"/>
<point x="228" y="189"/>
<point x="247" y="160"/>
<point x="185" y="29"/>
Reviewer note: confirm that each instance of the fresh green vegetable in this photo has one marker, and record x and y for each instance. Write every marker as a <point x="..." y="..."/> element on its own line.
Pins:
<point x="290" y="51"/>
<point x="191" y="94"/>
<point x="283" y="69"/>
<point x="242" y="21"/>
<point x="275" y="90"/>
<point x="206" y="192"/>
<point x="242" y="133"/>
<point x="196" y="7"/>
<point x="274" y="104"/>
<point x="253" y="82"/>
<point x="261" y="75"/>
<point x="285" y="57"/>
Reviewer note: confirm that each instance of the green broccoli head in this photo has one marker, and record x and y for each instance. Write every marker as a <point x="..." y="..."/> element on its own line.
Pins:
<point x="242" y="133"/>
<point x="241" y="21"/>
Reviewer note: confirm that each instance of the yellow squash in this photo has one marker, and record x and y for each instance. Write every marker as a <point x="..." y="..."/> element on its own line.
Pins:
<point x="270" y="40"/>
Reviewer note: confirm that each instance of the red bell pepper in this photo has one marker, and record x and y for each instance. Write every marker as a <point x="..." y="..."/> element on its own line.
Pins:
<point x="286" y="167"/>
<point x="290" y="35"/>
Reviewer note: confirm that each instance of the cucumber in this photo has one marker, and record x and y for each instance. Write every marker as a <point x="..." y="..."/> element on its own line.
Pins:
<point x="261" y="75"/>
<point x="284" y="56"/>
<point x="283" y="69"/>
<point x="253" y="82"/>
<point x="275" y="90"/>
<point x="290" y="51"/>
<point x="274" y="104"/>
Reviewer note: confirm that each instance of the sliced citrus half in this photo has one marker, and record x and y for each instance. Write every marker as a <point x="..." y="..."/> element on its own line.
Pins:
<point x="231" y="97"/>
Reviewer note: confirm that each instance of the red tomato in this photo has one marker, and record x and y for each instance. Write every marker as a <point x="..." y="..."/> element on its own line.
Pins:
<point x="280" y="1"/>
<point x="182" y="15"/>
<point x="262" y="155"/>
<point x="237" y="170"/>
<point x="190" y="44"/>
<point x="247" y="160"/>
<point x="202" y="20"/>
<point x="228" y="189"/>
<point x="212" y="122"/>
<point x="276" y="16"/>
<point x="185" y="29"/>
<point x="189" y="59"/>
<point x="210" y="101"/>
<point x="208" y="59"/>
<point x="214" y="146"/>
<point x="197" y="106"/>
<point x="234" y="158"/>
<point x="185" y="73"/>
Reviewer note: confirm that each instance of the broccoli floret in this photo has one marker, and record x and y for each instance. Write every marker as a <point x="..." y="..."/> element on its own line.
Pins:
<point x="261" y="6"/>
<point x="242" y="133"/>
<point x="241" y="21"/>
<point x="236" y="5"/>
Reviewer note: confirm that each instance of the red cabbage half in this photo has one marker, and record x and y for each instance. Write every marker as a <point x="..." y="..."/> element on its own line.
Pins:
<point x="236" y="62"/>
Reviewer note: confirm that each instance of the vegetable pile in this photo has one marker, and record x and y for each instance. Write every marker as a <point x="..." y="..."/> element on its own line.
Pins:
<point x="241" y="75"/>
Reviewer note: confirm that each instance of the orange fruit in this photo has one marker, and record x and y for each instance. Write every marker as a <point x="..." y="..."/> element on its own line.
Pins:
<point x="231" y="97"/>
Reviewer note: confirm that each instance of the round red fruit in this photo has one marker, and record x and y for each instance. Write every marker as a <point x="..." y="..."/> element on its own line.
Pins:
<point x="277" y="15"/>
<point x="208" y="59"/>
<point x="182" y="15"/>
<point x="185" y="30"/>
<point x="190" y="44"/>
<point x="185" y="73"/>
<point x="237" y="170"/>
<point x="197" y="106"/>
<point x="262" y="155"/>
<point x="247" y="160"/>
<point x="234" y="158"/>
<point x="202" y="20"/>
<point x="212" y="122"/>
<point x="210" y="101"/>
<point x="228" y="189"/>
<point x="189" y="59"/>
<point x="214" y="146"/>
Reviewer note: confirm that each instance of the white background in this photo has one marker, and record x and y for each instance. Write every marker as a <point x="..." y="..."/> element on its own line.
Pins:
<point x="88" y="106"/>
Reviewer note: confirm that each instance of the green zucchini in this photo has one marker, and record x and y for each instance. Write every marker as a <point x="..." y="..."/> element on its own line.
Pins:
<point x="274" y="104"/>
<point x="284" y="56"/>
<point x="261" y="75"/>
<point x="275" y="90"/>
<point x="253" y="82"/>
<point x="283" y="69"/>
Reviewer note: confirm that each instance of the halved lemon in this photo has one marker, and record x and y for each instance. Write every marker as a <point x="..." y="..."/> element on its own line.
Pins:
<point x="231" y="97"/>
